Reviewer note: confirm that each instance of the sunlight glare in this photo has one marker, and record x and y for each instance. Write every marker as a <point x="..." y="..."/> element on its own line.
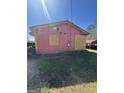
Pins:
<point x="45" y="9"/>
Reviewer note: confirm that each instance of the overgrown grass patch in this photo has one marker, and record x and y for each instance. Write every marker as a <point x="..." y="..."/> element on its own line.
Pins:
<point x="67" y="68"/>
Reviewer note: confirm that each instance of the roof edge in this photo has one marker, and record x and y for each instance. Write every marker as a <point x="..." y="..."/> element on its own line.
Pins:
<point x="65" y="21"/>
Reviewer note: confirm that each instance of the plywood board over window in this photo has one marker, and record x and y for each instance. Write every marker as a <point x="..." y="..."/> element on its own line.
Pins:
<point x="53" y="40"/>
<point x="79" y="42"/>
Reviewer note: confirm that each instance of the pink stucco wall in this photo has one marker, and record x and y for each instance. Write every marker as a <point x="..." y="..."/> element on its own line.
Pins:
<point x="66" y="36"/>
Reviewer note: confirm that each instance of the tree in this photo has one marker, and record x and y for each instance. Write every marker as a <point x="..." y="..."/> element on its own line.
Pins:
<point x="92" y="30"/>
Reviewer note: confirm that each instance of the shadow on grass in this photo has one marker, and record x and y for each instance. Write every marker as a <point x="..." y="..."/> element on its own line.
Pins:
<point x="64" y="69"/>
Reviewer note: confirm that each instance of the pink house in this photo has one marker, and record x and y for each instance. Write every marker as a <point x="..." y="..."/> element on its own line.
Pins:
<point x="58" y="37"/>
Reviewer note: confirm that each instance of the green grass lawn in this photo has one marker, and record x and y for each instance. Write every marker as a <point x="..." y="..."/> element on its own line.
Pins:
<point x="66" y="69"/>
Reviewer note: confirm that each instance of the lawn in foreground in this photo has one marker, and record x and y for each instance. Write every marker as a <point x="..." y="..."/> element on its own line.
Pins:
<point x="76" y="70"/>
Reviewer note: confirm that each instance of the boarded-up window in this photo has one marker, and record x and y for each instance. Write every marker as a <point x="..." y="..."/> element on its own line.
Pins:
<point x="80" y="42"/>
<point x="53" y="40"/>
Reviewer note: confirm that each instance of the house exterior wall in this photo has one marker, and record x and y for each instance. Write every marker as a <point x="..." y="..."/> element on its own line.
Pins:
<point x="66" y="37"/>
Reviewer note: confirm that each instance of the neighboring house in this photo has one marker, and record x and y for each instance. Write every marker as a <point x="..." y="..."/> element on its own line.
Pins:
<point x="59" y="37"/>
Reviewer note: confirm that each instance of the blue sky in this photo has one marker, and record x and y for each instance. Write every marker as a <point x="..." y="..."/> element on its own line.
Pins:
<point x="84" y="12"/>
